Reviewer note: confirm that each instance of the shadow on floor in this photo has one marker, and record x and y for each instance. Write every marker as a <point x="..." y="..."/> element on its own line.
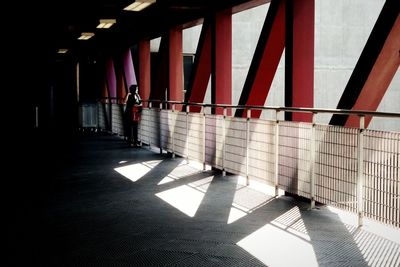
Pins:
<point x="105" y="204"/>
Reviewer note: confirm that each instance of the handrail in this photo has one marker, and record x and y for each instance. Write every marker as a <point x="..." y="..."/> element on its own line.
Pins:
<point x="289" y="109"/>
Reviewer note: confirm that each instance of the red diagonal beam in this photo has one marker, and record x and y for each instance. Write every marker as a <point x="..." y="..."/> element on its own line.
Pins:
<point x="265" y="60"/>
<point x="201" y="68"/>
<point x="375" y="68"/>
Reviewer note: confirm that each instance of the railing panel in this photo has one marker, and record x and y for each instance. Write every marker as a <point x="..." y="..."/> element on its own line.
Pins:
<point x="262" y="150"/>
<point x="88" y="115"/>
<point x="294" y="157"/>
<point x="235" y="143"/>
<point x="102" y="111"/>
<point x="166" y="128"/>
<point x="382" y="171"/>
<point x="150" y="123"/>
<point x="214" y="140"/>
<point x="336" y="166"/>
<point x="180" y="134"/>
<point x="117" y="119"/>
<point x="195" y="136"/>
<point x="250" y="151"/>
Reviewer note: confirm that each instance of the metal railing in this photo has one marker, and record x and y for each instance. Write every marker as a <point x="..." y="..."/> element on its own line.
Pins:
<point x="355" y="169"/>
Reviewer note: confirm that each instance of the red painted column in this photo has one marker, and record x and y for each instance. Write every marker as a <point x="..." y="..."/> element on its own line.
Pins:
<point x="221" y="79"/>
<point x="121" y="90"/>
<point x="111" y="79"/>
<point x="159" y="88"/>
<point x="175" y="86"/>
<point x="299" y="68"/>
<point x="104" y="92"/>
<point x="129" y="69"/>
<point x="144" y="70"/>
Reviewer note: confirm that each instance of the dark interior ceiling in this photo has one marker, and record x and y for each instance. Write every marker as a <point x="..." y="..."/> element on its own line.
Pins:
<point x="62" y="21"/>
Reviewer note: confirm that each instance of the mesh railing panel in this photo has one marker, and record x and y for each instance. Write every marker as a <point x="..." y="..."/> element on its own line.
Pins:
<point x="336" y="166"/>
<point x="381" y="174"/>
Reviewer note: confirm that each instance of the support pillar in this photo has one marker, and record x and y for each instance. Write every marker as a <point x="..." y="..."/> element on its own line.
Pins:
<point x="175" y="66"/>
<point x="299" y="67"/>
<point x="221" y="79"/>
<point x="144" y="70"/>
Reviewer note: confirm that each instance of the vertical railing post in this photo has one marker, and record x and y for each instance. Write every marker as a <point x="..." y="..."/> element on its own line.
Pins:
<point x="204" y="137"/>
<point x="149" y="105"/>
<point x="248" y="114"/>
<point x="224" y="142"/>
<point x="360" y="171"/>
<point x="187" y="109"/>
<point x="160" y="142"/>
<point x="149" y="132"/>
<point x="173" y="129"/>
<point x="36" y="117"/>
<point x="312" y="162"/>
<point x="140" y="125"/>
<point x="276" y="152"/>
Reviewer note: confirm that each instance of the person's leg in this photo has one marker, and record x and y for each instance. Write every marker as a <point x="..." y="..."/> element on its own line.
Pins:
<point x="131" y="133"/>
<point x="135" y="133"/>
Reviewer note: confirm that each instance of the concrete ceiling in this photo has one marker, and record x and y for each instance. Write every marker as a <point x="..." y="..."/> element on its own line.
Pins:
<point x="60" y="22"/>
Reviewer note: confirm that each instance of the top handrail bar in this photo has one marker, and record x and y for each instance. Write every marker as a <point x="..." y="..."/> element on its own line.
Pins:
<point x="290" y="109"/>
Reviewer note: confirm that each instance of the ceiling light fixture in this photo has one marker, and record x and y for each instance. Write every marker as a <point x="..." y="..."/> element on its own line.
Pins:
<point x="106" y="23"/>
<point x="86" y="35"/>
<point x="139" y="5"/>
<point x="62" y="51"/>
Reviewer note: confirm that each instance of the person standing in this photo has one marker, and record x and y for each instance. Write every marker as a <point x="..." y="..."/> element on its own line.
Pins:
<point x="132" y="112"/>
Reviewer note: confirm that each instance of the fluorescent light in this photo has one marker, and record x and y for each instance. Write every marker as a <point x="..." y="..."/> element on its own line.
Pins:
<point x="62" y="51"/>
<point x="106" y="23"/>
<point x="86" y="35"/>
<point x="139" y="5"/>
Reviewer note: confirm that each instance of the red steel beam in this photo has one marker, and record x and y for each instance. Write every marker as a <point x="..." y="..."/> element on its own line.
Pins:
<point x="375" y="68"/>
<point x="129" y="69"/>
<point x="221" y="78"/>
<point x="380" y="77"/>
<point x="144" y="69"/>
<point x="299" y="57"/>
<point x="175" y="65"/>
<point x="158" y="89"/>
<point x="121" y="90"/>
<point x="265" y="60"/>
<point x="201" y="67"/>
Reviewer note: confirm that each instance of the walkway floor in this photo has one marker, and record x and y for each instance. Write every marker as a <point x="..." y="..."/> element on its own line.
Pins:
<point x="105" y="204"/>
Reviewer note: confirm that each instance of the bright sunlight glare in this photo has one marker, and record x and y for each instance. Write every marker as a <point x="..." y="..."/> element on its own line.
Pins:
<point x="136" y="171"/>
<point x="273" y="243"/>
<point x="186" y="198"/>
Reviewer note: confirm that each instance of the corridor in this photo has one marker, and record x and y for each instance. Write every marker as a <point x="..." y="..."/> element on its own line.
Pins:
<point x="100" y="203"/>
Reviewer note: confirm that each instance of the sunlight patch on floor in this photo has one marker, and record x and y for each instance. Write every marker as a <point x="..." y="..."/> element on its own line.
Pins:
<point x="282" y="242"/>
<point x="245" y="201"/>
<point x="236" y="213"/>
<point x="182" y="170"/>
<point x="378" y="243"/>
<point x="136" y="171"/>
<point x="187" y="198"/>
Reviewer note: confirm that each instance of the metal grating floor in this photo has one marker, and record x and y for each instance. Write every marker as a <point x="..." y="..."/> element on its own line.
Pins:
<point x="88" y="214"/>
